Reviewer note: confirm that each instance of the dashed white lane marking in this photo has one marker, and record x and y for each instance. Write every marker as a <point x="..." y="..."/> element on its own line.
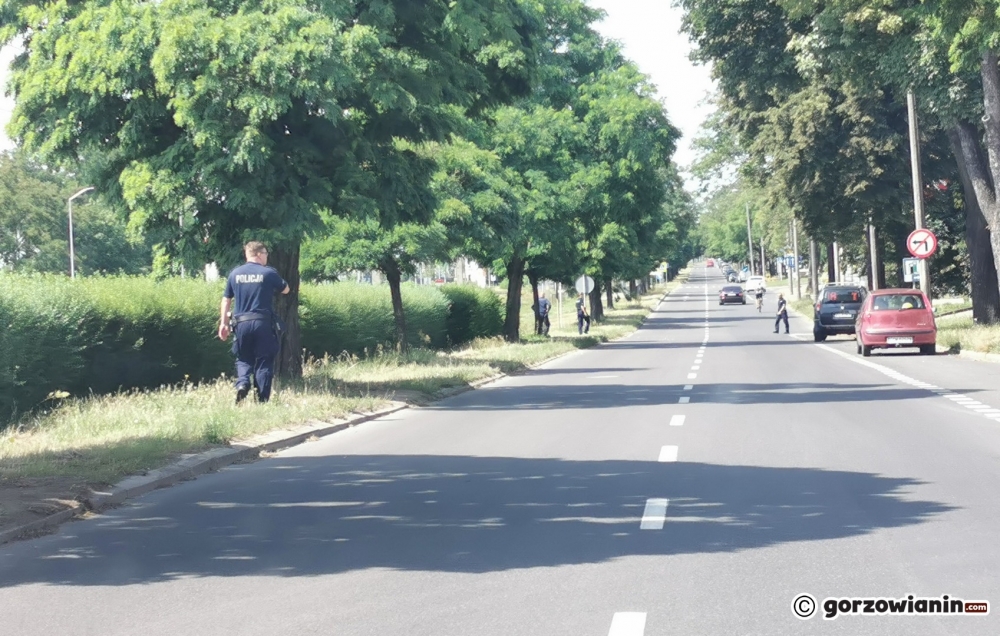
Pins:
<point x="684" y="400"/>
<point x="628" y="624"/>
<point x="958" y="398"/>
<point x="688" y="387"/>
<point x="677" y="420"/>
<point x="668" y="454"/>
<point x="655" y="514"/>
<point x="692" y="376"/>
<point x="696" y="367"/>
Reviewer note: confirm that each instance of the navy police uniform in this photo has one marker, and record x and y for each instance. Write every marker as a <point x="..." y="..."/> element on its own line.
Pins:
<point x="255" y="337"/>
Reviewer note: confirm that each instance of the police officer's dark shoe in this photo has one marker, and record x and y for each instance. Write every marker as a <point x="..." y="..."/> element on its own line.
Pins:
<point x="241" y="393"/>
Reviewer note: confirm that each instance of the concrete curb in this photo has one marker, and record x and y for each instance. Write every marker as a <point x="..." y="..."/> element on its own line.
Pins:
<point x="193" y="465"/>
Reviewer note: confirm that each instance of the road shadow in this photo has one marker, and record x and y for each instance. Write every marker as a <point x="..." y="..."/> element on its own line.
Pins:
<point x="309" y="516"/>
<point x="609" y="396"/>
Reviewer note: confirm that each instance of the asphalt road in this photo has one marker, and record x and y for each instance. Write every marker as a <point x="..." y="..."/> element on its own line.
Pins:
<point x="693" y="478"/>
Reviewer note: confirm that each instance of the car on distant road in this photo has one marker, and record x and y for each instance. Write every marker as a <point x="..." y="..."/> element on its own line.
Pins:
<point x="894" y="318"/>
<point x="754" y="283"/>
<point x="732" y="277"/>
<point x="711" y="263"/>
<point x="732" y="294"/>
<point x="836" y="310"/>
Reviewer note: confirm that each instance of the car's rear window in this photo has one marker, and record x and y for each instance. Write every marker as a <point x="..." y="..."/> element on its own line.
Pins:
<point x="732" y="288"/>
<point x="842" y="296"/>
<point x="897" y="302"/>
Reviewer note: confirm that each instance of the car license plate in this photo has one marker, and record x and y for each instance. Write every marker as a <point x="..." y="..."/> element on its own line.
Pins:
<point x="898" y="341"/>
<point x="843" y="315"/>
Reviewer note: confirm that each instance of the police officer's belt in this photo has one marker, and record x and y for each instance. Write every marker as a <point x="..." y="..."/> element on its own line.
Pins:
<point x="252" y="316"/>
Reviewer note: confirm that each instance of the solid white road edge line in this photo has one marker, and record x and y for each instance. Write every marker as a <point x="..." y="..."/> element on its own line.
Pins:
<point x="958" y="398"/>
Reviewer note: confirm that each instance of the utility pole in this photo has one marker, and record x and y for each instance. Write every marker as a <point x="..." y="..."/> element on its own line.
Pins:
<point x="873" y="246"/>
<point x="836" y="262"/>
<point x="795" y="259"/>
<point x="918" y="188"/>
<point x="763" y="267"/>
<point x="72" y="250"/>
<point x="813" y="268"/>
<point x="750" y="239"/>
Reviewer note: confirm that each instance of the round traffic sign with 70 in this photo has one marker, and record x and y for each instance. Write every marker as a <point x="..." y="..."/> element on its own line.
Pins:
<point x="922" y="243"/>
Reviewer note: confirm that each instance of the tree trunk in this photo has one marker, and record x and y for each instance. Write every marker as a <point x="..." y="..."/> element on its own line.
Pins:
<point x="533" y="281"/>
<point x="285" y="259"/>
<point x="982" y="268"/>
<point x="633" y="290"/>
<point x="394" y="276"/>
<point x="596" y="308"/>
<point x="610" y="291"/>
<point x="512" y="321"/>
<point x="831" y="271"/>
<point x="868" y="262"/>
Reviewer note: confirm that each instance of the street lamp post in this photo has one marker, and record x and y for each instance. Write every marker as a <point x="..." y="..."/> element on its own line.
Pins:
<point x="72" y="253"/>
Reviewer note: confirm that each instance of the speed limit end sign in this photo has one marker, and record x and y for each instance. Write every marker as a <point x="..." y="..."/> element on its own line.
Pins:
<point x="922" y="243"/>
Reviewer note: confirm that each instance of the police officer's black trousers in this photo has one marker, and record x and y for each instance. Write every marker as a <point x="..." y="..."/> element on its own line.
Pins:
<point x="255" y="347"/>
<point x="580" y="319"/>
<point x="777" y="321"/>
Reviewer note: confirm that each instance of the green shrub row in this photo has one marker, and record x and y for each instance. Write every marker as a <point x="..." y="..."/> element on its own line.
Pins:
<point x="101" y="335"/>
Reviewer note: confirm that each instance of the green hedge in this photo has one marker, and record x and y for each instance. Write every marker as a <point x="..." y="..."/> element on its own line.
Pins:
<point x="475" y="313"/>
<point x="101" y="335"/>
<point x="355" y="318"/>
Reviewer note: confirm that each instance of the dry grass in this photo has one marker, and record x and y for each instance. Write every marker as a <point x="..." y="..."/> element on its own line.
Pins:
<point x="961" y="334"/>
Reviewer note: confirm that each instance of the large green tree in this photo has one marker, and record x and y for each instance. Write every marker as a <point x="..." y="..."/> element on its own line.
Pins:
<point x="249" y="119"/>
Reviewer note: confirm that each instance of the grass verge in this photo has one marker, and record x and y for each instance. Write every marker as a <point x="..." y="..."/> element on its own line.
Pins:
<point x="100" y="440"/>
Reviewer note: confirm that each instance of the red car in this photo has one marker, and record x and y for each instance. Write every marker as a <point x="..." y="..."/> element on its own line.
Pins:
<point x="711" y="263"/>
<point x="893" y="318"/>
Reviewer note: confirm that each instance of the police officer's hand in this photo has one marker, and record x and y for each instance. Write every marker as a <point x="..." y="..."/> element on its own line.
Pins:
<point x="223" y="332"/>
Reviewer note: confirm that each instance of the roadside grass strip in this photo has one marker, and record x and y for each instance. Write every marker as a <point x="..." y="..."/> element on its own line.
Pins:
<point x="960" y="399"/>
<point x="100" y="439"/>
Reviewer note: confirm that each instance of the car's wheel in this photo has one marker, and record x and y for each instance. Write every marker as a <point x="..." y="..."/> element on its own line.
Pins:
<point x="859" y="347"/>
<point x="819" y="336"/>
<point x="744" y="302"/>
<point x="866" y="350"/>
<point x="928" y="350"/>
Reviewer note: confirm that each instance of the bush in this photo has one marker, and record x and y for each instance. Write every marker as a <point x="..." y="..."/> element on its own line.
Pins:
<point x="353" y="318"/>
<point x="474" y="313"/>
<point x="103" y="334"/>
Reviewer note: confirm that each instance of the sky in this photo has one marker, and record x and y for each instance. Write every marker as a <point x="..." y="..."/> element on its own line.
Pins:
<point x="649" y="32"/>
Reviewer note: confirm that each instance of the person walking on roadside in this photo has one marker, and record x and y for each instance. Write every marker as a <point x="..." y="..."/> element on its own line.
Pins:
<point x="250" y="290"/>
<point x="782" y="313"/>
<point x="759" y="297"/>
<point x="582" y="317"/>
<point x="544" y="307"/>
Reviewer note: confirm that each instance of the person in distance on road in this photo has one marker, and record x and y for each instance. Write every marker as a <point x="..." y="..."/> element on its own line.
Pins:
<point x="782" y="313"/>
<point x="582" y="316"/>
<point x="254" y="324"/>
<point x="759" y="296"/>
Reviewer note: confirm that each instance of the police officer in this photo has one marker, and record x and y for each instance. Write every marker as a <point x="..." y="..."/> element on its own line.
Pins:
<point x="255" y="341"/>
<point x="544" y="307"/>
<point x="782" y="313"/>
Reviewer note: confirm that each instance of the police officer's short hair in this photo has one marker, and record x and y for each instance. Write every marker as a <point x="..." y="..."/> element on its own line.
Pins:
<point x="253" y="248"/>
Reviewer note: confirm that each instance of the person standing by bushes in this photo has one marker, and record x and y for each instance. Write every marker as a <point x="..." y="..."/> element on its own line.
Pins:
<point x="544" y="307"/>
<point x="581" y="315"/>
<point x="255" y="341"/>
